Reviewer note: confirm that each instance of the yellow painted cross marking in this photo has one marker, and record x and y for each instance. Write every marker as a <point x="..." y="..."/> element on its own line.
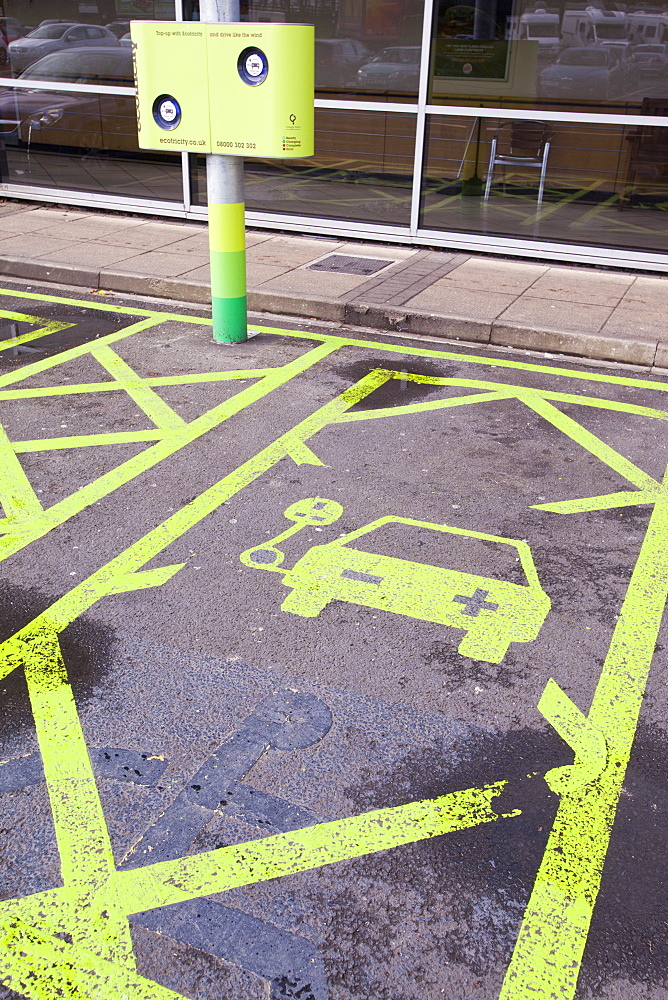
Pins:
<point x="54" y="326"/>
<point x="28" y="521"/>
<point x="17" y="496"/>
<point x="155" y="408"/>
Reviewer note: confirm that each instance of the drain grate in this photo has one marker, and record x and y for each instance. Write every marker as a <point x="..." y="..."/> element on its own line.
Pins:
<point x="350" y="265"/>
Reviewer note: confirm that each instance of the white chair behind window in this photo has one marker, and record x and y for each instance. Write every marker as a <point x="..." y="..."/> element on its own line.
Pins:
<point x="528" y="145"/>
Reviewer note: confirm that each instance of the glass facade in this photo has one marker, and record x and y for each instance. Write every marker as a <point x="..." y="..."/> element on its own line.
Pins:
<point x="590" y="195"/>
<point x="361" y="172"/>
<point x="604" y="57"/>
<point x="79" y="139"/>
<point x="518" y="126"/>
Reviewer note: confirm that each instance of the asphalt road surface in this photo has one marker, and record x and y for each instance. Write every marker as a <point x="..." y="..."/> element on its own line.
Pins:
<point x="326" y="665"/>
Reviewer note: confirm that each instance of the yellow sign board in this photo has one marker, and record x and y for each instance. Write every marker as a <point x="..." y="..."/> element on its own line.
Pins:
<point x="238" y="89"/>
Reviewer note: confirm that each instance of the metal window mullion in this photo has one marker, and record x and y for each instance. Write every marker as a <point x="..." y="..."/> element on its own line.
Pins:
<point x="68" y="88"/>
<point x="75" y="196"/>
<point x="420" y="125"/>
<point x="466" y="111"/>
<point x="178" y="10"/>
<point x="185" y="181"/>
<point x="584" y="118"/>
<point x="365" y="106"/>
<point x="542" y="249"/>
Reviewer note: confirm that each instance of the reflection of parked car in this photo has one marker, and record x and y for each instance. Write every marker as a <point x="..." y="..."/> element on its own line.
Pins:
<point x="111" y="67"/>
<point x="119" y="28"/>
<point x="53" y="37"/>
<point x="652" y="58"/>
<point x="396" y="68"/>
<point x="11" y="29"/>
<point x="89" y="121"/>
<point x="337" y="60"/>
<point x="589" y="72"/>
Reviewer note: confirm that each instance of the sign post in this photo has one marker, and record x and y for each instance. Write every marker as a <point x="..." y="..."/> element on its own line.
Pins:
<point x="227" y="225"/>
<point x="228" y="89"/>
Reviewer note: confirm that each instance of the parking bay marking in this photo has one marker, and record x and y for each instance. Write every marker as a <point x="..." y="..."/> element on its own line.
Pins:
<point x="416" y="589"/>
<point x="20" y="532"/>
<point x="35" y="522"/>
<point x="188" y="877"/>
<point x="96" y="900"/>
<point x="556" y="921"/>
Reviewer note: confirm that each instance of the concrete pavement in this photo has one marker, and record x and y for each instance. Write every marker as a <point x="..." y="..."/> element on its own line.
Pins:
<point x="581" y="311"/>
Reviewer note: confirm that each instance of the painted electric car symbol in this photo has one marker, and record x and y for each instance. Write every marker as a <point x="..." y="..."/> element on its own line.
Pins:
<point x="493" y="612"/>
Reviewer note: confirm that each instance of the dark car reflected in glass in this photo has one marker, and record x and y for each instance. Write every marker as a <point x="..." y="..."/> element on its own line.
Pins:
<point x="652" y="58"/>
<point x="50" y="38"/>
<point x="337" y="61"/>
<point x="396" y="68"/>
<point x="74" y="120"/>
<point x="591" y="72"/>
<point x="11" y="29"/>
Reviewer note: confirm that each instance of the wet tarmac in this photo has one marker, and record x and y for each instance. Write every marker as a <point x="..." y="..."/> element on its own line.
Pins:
<point x="334" y="676"/>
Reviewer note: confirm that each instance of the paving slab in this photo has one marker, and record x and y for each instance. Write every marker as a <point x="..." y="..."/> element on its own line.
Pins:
<point x="327" y="283"/>
<point x="96" y="227"/>
<point x="92" y="254"/>
<point x="291" y="251"/>
<point x="152" y="235"/>
<point x="632" y="320"/>
<point x="156" y="264"/>
<point x="33" y="245"/>
<point x="511" y="277"/>
<point x="584" y="286"/>
<point x="253" y="238"/>
<point x="23" y="221"/>
<point x="652" y="293"/>
<point x="391" y="253"/>
<point x="201" y="273"/>
<point x="559" y="314"/>
<point x="258" y="274"/>
<point x="196" y="243"/>
<point x="450" y="299"/>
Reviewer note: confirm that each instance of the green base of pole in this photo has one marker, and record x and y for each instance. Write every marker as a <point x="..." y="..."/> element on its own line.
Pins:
<point x="230" y="320"/>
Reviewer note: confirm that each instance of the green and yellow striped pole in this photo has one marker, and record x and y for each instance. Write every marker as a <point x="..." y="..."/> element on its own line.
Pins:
<point x="227" y="248"/>
<point x="227" y="229"/>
